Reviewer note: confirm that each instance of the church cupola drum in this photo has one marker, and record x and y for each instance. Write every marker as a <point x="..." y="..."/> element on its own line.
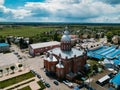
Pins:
<point x="66" y="41"/>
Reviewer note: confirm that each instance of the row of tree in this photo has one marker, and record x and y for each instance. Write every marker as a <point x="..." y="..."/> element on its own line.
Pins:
<point x="12" y="68"/>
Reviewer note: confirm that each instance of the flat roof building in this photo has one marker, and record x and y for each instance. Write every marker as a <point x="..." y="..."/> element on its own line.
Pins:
<point x="38" y="48"/>
<point x="4" y="47"/>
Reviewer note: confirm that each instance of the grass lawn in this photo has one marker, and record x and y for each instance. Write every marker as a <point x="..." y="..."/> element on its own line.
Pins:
<point x="15" y="80"/>
<point x="92" y="62"/>
<point x="41" y="85"/>
<point x="26" y="88"/>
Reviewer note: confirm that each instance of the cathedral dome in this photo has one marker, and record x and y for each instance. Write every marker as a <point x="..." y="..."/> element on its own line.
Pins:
<point x="66" y="36"/>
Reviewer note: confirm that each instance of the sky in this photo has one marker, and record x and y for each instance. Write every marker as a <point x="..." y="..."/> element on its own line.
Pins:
<point x="79" y="11"/>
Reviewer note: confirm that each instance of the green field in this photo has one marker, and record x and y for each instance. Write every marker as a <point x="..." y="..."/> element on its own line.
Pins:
<point x="15" y="80"/>
<point x="25" y="31"/>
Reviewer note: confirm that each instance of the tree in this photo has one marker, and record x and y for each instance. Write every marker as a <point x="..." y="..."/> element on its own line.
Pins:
<point x="1" y="71"/>
<point x="12" y="68"/>
<point x="96" y="36"/>
<point x="102" y="35"/>
<point x="20" y="65"/>
<point x="88" y="36"/>
<point x="55" y="37"/>
<point x="109" y="36"/>
<point x="7" y="70"/>
<point x="30" y="40"/>
<point x="8" y="41"/>
<point x="95" y="67"/>
<point x="2" y="39"/>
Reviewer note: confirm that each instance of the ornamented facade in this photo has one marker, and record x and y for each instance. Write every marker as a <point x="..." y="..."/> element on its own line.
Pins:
<point x="65" y="61"/>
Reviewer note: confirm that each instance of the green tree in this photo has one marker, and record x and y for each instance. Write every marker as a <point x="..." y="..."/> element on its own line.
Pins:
<point x="30" y="40"/>
<point x="109" y="36"/>
<point x="55" y="36"/>
<point x="20" y="65"/>
<point x="12" y="68"/>
<point x="88" y="36"/>
<point x="1" y="71"/>
<point x="102" y="35"/>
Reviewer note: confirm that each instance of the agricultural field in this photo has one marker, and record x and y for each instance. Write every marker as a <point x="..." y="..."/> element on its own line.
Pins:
<point x="25" y="31"/>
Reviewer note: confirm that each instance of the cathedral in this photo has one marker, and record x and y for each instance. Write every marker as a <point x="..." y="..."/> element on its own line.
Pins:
<point x="65" y="61"/>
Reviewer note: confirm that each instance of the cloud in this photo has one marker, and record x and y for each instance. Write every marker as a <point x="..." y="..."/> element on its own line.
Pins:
<point x="64" y="11"/>
<point x="8" y="13"/>
<point x="1" y="2"/>
<point x="20" y="13"/>
<point x="75" y="10"/>
<point x="111" y="1"/>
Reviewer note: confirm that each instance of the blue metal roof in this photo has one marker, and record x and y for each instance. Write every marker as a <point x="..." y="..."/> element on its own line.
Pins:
<point x="3" y="44"/>
<point x="116" y="79"/>
<point x="105" y="52"/>
<point x="69" y="54"/>
<point x="114" y="54"/>
<point x="116" y="62"/>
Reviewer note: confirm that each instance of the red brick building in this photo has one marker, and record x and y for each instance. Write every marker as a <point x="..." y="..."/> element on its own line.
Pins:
<point x="38" y="48"/>
<point x="65" y="61"/>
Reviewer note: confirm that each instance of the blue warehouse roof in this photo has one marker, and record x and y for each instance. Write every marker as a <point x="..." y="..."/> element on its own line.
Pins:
<point x="3" y="44"/>
<point x="69" y="54"/>
<point x="116" y="79"/>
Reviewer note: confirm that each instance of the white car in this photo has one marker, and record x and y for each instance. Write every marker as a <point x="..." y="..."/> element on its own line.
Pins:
<point x="69" y="84"/>
<point x="43" y="80"/>
<point x="66" y="83"/>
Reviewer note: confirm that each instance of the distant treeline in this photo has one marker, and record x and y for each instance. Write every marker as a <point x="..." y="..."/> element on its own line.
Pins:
<point x="57" y="23"/>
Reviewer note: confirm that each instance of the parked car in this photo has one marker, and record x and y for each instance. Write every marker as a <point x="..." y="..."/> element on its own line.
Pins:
<point x="56" y="82"/>
<point x="38" y="76"/>
<point x="80" y="86"/>
<point x="47" y="73"/>
<point x="16" y="53"/>
<point x="47" y="84"/>
<point x="20" y="58"/>
<point x="65" y="82"/>
<point x="42" y="79"/>
<point x="33" y="71"/>
<point x="69" y="84"/>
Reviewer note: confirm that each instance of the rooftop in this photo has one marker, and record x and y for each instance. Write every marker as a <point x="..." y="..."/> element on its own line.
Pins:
<point x="116" y="79"/>
<point x="52" y="59"/>
<point x="44" y="44"/>
<point x="69" y="54"/>
<point x="3" y="44"/>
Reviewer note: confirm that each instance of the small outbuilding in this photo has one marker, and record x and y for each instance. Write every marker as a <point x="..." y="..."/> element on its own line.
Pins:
<point x="4" y="47"/>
